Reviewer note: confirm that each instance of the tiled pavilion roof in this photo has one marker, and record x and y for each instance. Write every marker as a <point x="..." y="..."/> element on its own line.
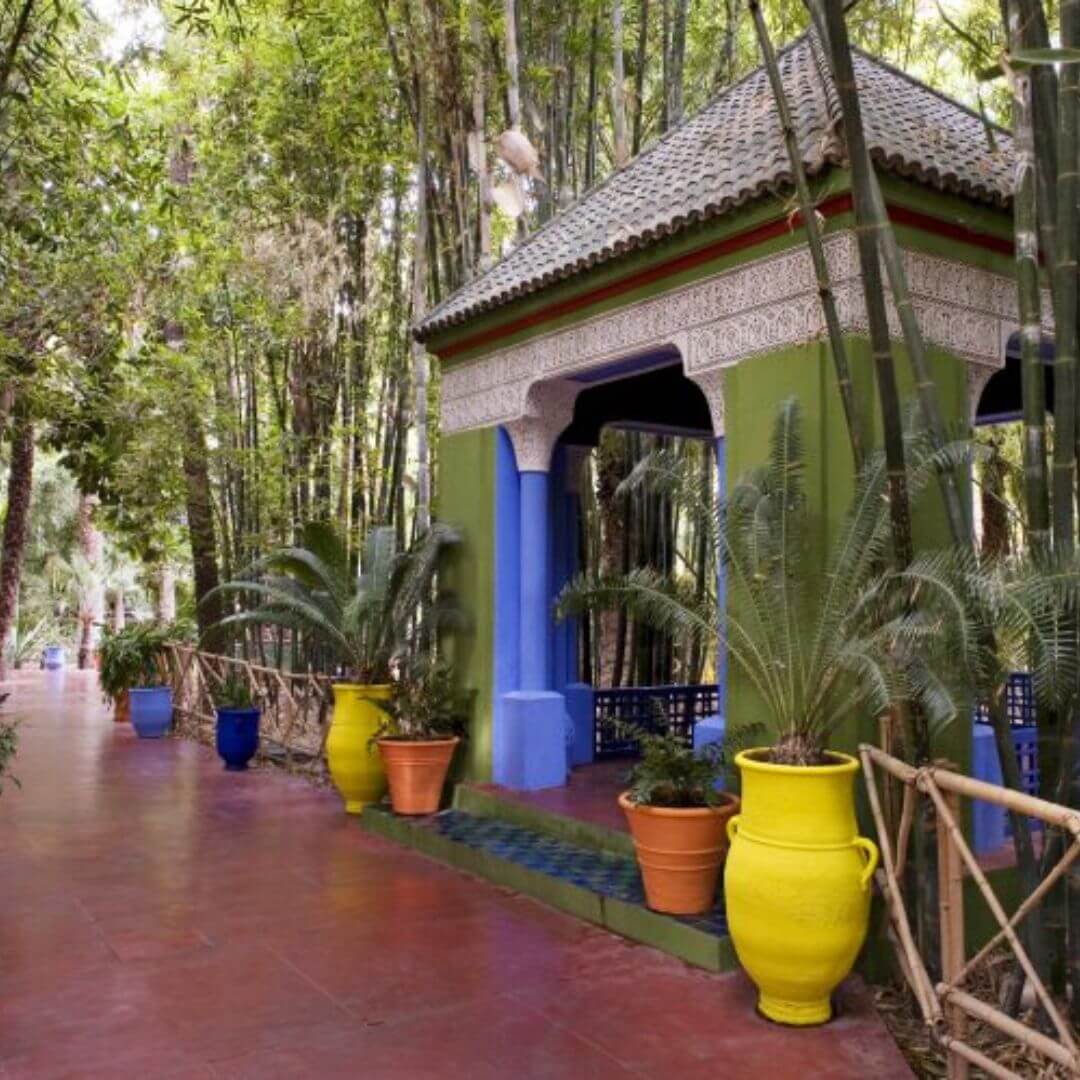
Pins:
<point x="733" y="152"/>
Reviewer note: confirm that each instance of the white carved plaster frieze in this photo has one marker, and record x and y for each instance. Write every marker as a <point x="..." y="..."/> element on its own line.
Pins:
<point x="549" y="408"/>
<point x="755" y="308"/>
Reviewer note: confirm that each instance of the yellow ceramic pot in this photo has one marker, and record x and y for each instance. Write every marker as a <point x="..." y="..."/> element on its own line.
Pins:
<point x="797" y="883"/>
<point x="353" y="759"/>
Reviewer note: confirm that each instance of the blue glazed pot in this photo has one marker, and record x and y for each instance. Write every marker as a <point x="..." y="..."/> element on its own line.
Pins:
<point x="151" y="711"/>
<point x="54" y="657"/>
<point x="237" y="737"/>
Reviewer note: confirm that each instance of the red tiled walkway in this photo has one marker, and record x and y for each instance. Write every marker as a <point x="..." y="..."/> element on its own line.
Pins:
<point x="162" y="918"/>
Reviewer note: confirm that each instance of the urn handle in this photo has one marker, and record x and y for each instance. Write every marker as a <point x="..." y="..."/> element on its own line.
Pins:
<point x="733" y="827"/>
<point x="870" y="850"/>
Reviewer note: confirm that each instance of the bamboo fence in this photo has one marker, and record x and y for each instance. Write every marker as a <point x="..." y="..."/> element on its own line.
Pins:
<point x="948" y="1006"/>
<point x="295" y="705"/>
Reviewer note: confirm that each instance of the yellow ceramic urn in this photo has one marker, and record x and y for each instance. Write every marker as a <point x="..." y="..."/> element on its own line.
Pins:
<point x="797" y="883"/>
<point x="355" y="765"/>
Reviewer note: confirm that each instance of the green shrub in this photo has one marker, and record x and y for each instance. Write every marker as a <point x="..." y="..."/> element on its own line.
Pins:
<point x="9" y="742"/>
<point x="129" y="658"/>
<point x="425" y="703"/>
<point x="233" y="693"/>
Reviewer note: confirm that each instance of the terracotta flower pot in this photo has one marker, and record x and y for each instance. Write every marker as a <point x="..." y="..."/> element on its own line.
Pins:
<point x="680" y="851"/>
<point x="416" y="771"/>
<point x="122" y="708"/>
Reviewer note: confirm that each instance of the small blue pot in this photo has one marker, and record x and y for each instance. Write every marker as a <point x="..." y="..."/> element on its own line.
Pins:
<point x="54" y="657"/>
<point x="151" y="711"/>
<point x="237" y="737"/>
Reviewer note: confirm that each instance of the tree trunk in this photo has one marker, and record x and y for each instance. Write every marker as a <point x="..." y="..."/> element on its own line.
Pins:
<point x="618" y="89"/>
<point x="483" y="178"/>
<point x="166" y="594"/>
<point x="677" y="63"/>
<point x="640" y="63"/>
<point x="200" y="519"/>
<point x="419" y="305"/>
<point x="16" y="524"/>
<point x="590" y="117"/>
<point x="92" y="594"/>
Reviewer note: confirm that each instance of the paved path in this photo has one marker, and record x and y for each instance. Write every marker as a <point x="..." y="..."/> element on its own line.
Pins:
<point x="162" y="918"/>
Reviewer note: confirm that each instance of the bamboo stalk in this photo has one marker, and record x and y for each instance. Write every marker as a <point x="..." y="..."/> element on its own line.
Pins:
<point x="873" y="290"/>
<point x="928" y="784"/>
<point x="808" y="212"/>
<point x="960" y="524"/>
<point x="1008" y="1026"/>
<point x="1064" y="293"/>
<point x="1028" y="29"/>
<point x="1033" y="379"/>
<point x="951" y="914"/>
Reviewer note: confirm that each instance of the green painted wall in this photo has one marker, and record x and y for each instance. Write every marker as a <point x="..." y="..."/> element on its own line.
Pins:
<point x="467" y="499"/>
<point x="753" y="391"/>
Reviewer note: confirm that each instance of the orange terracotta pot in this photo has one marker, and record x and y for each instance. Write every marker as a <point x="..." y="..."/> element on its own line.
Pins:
<point x="122" y="708"/>
<point x="416" y="771"/>
<point x="680" y="851"/>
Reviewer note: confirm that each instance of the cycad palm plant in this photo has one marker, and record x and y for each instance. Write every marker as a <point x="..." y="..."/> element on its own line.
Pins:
<point x="369" y="620"/>
<point x="814" y="647"/>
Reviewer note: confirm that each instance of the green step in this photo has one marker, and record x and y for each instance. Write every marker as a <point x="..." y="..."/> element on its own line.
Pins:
<point x="485" y="803"/>
<point x="603" y="887"/>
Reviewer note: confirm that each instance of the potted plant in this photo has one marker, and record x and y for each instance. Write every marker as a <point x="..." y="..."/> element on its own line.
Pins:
<point x="237" y="736"/>
<point x="424" y="719"/>
<point x="814" y="648"/>
<point x="678" y="821"/>
<point x="130" y="678"/>
<point x="366" y="619"/>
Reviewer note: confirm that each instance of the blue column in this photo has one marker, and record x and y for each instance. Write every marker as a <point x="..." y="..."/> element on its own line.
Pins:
<point x="535" y="581"/>
<point x="531" y="724"/>
<point x="721" y="585"/>
<point x="507" y="636"/>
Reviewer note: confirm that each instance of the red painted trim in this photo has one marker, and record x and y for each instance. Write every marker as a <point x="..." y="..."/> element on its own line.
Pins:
<point x="951" y="231"/>
<point x="760" y="234"/>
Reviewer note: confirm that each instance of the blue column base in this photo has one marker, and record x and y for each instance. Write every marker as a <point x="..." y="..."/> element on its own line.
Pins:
<point x="530" y="748"/>
<point x="579" y="705"/>
<point x="710" y="732"/>
<point x="988" y="820"/>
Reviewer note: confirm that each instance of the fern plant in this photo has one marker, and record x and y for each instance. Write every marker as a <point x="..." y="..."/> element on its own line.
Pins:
<point x="672" y="774"/>
<point x="370" y="620"/>
<point x="814" y="647"/>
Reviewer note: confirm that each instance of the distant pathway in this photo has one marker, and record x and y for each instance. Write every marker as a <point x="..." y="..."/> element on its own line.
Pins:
<point x="162" y="918"/>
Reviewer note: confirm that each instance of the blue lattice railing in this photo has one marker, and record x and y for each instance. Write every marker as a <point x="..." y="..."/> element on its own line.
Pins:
<point x="648" y="708"/>
<point x="991" y="823"/>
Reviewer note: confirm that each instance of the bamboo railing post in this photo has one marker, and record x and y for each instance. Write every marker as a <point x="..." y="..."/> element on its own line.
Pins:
<point x="951" y="911"/>
<point x="912" y="963"/>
